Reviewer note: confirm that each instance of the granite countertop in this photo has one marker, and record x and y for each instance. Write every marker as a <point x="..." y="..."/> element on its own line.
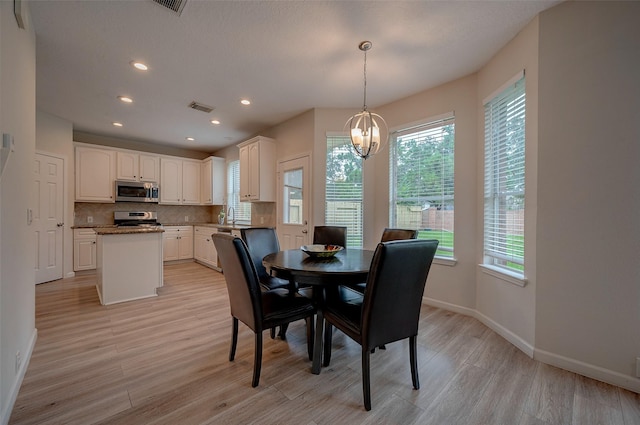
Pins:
<point x="127" y="230"/>
<point x="113" y="226"/>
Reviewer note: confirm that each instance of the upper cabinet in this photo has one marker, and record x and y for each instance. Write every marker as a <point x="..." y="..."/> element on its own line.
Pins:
<point x="258" y="170"/>
<point x="213" y="181"/>
<point x="179" y="181"/>
<point x="95" y="174"/>
<point x="137" y="167"/>
<point x="182" y="181"/>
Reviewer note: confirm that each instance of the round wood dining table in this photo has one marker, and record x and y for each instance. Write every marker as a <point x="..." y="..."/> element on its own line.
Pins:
<point x="348" y="266"/>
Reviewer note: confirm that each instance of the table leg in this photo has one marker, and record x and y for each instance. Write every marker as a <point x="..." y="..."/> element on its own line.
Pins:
<point x="317" y="343"/>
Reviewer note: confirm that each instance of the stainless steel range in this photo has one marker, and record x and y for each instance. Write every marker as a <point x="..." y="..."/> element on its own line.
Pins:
<point x="136" y="219"/>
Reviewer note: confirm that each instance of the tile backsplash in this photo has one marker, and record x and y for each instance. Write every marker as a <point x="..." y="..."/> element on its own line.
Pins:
<point x="262" y="214"/>
<point x="103" y="213"/>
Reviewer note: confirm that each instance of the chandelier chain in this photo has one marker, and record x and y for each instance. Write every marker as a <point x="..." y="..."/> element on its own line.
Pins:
<point x="365" y="81"/>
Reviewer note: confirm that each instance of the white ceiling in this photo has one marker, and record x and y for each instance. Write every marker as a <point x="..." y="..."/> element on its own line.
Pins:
<point x="286" y="56"/>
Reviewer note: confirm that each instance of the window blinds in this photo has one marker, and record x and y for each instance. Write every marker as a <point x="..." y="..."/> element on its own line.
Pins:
<point x="422" y="181"/>
<point x="343" y="188"/>
<point x="504" y="173"/>
<point x="241" y="210"/>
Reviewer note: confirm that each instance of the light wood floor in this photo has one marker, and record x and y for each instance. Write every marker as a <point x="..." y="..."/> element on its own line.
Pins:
<point x="164" y="360"/>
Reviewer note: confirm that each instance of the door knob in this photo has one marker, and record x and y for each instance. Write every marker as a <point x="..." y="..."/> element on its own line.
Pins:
<point x="304" y="231"/>
<point x="60" y="224"/>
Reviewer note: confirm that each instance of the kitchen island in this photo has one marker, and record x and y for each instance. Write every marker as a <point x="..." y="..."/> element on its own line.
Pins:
<point x="128" y="263"/>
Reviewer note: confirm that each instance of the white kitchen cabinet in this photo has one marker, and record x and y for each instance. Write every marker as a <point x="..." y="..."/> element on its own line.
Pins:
<point x="137" y="166"/>
<point x="84" y="249"/>
<point x="191" y="182"/>
<point x="149" y="168"/>
<point x="204" y="250"/>
<point x="258" y="170"/>
<point x="213" y="188"/>
<point x="95" y="172"/>
<point x="179" y="181"/>
<point x="177" y="243"/>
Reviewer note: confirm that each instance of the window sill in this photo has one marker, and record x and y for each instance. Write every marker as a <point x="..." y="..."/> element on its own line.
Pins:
<point x="443" y="261"/>
<point x="507" y="276"/>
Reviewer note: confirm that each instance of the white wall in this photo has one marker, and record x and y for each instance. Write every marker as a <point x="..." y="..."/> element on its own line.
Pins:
<point x="588" y="292"/>
<point x="17" y="252"/>
<point x="54" y="135"/>
<point x="449" y="286"/>
<point x="509" y="308"/>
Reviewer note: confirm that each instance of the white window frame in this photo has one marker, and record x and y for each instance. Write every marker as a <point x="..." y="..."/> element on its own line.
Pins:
<point x="427" y="130"/>
<point x="504" y="182"/>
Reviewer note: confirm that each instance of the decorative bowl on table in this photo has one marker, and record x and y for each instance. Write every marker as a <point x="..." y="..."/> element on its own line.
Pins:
<point x="321" y="251"/>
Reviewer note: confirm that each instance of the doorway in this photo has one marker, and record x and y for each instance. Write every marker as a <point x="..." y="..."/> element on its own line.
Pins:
<point x="294" y="202"/>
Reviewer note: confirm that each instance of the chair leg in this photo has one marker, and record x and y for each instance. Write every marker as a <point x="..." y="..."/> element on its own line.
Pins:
<point x="234" y="338"/>
<point x="310" y="336"/>
<point x="328" y="336"/>
<point x="366" y="379"/>
<point x="272" y="332"/>
<point x="257" y="360"/>
<point x="283" y="331"/>
<point x="413" y="359"/>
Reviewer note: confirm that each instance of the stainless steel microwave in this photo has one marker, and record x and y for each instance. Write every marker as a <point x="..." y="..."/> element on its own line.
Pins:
<point x="127" y="191"/>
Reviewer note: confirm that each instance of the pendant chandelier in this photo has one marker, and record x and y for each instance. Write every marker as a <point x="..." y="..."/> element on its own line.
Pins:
<point x="368" y="131"/>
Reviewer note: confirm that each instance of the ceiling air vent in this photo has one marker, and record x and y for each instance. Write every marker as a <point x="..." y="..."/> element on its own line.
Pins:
<point x="200" y="107"/>
<point x="174" y="5"/>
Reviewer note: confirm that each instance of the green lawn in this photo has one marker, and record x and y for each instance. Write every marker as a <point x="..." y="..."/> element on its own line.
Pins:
<point x="444" y="238"/>
<point x="516" y="243"/>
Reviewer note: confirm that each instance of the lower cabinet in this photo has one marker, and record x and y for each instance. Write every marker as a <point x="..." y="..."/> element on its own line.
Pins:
<point x="177" y="243"/>
<point x="204" y="250"/>
<point x="84" y="249"/>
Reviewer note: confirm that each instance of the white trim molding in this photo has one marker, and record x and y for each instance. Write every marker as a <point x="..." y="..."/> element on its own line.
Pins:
<point x="15" y="386"/>
<point x="585" y="369"/>
<point x="591" y="371"/>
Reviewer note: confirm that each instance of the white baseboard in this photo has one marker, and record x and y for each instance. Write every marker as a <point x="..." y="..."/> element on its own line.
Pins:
<point x="449" y="307"/>
<point x="523" y="345"/>
<point x="596" y="372"/>
<point x="15" y="386"/>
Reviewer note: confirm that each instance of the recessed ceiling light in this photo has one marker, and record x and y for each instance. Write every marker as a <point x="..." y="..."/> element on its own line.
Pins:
<point x="125" y="99"/>
<point x="191" y="139"/>
<point x="216" y="122"/>
<point x="245" y="102"/>
<point x="139" y="65"/>
<point x="117" y="124"/>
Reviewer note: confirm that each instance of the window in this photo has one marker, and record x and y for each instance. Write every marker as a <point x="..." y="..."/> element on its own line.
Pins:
<point x="343" y="188"/>
<point x="421" y="181"/>
<point x="504" y="169"/>
<point x="293" y="197"/>
<point x="241" y="210"/>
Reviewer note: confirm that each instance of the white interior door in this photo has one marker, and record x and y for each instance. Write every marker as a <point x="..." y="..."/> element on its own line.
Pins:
<point x="294" y="202"/>
<point x="48" y="215"/>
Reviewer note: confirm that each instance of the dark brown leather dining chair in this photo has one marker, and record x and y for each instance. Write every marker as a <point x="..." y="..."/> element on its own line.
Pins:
<point x="258" y="309"/>
<point x="389" y="234"/>
<point x="330" y="235"/>
<point x="260" y="242"/>
<point x="390" y="308"/>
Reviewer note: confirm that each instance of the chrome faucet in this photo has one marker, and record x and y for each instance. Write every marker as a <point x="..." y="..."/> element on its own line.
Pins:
<point x="231" y="214"/>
